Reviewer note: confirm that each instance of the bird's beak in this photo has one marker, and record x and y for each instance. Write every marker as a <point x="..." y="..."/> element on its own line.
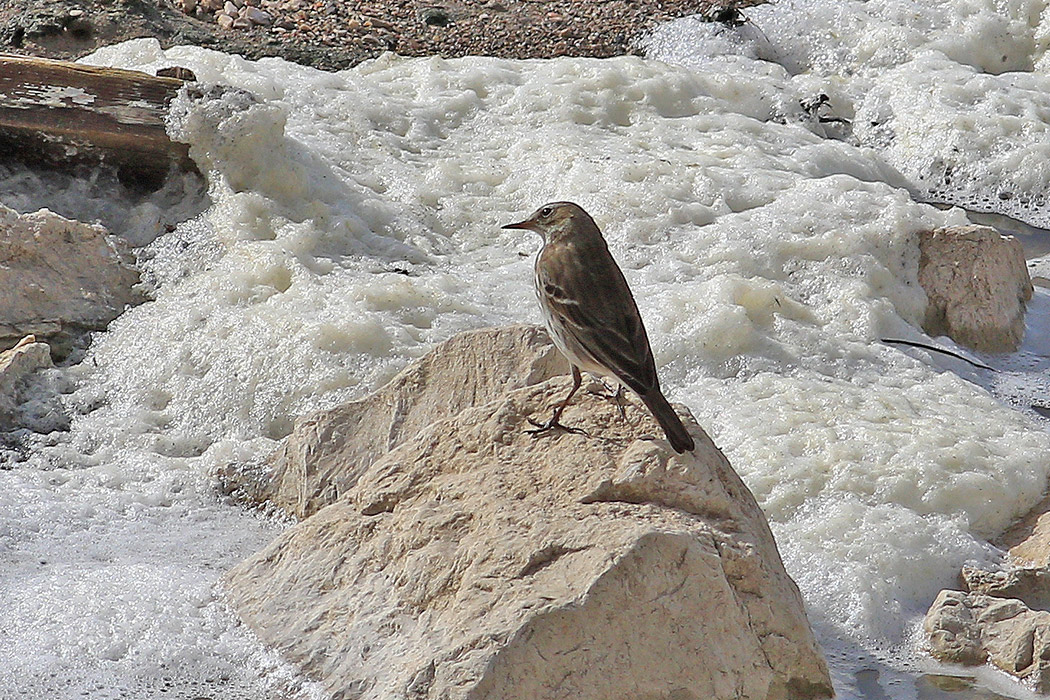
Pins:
<point x="527" y="224"/>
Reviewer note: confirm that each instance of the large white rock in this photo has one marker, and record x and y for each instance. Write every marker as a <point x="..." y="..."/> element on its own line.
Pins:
<point x="477" y="561"/>
<point x="327" y="450"/>
<point x="59" y="277"/>
<point x="976" y="284"/>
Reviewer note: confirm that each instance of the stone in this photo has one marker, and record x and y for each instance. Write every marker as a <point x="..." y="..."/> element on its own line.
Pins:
<point x="977" y="284"/>
<point x="1028" y="584"/>
<point x="474" y="560"/>
<point x="329" y="449"/>
<point x="61" y="278"/>
<point x="16" y="364"/>
<point x="1028" y="539"/>
<point x="188" y="6"/>
<point x="224" y="20"/>
<point x="257" y="16"/>
<point x="971" y="628"/>
<point x="952" y="632"/>
<point x="462" y="557"/>
<point x="435" y="16"/>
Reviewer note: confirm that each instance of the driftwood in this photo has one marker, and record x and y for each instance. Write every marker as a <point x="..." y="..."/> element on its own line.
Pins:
<point x="57" y="113"/>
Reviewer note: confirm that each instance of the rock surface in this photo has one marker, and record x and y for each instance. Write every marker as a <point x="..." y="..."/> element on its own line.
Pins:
<point x="1002" y="617"/>
<point x="475" y="560"/>
<point x="972" y="628"/>
<point x="60" y="278"/>
<point x="1028" y="539"/>
<point x="1029" y="584"/>
<point x="977" y="284"/>
<point x="328" y="450"/>
<point x="26" y="357"/>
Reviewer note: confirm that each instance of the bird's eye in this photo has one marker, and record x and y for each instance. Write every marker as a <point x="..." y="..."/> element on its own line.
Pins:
<point x="546" y="211"/>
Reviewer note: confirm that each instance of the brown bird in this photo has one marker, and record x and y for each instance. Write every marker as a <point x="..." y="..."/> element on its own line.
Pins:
<point x="591" y="314"/>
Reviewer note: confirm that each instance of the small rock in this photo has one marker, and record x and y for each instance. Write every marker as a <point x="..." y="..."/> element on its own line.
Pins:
<point x="188" y="6"/>
<point x="257" y="16"/>
<point x="381" y="24"/>
<point x="953" y="634"/>
<point x="225" y="21"/>
<point x="212" y="5"/>
<point x="435" y="16"/>
<point x="242" y="23"/>
<point x="976" y="284"/>
<point x="1029" y="584"/>
<point x="16" y="364"/>
<point x="972" y="628"/>
<point x="60" y="277"/>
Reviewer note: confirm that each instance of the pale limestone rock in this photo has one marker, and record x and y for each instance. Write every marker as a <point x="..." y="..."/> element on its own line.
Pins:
<point x="26" y="357"/>
<point x="475" y="561"/>
<point x="976" y="284"/>
<point x="327" y="450"/>
<point x="1028" y="539"/>
<point x="60" y="277"/>
<point x="971" y="628"/>
<point x="1029" y="584"/>
<point x="952" y="632"/>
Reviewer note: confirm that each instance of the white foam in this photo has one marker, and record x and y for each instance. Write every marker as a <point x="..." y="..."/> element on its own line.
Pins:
<point x="952" y="93"/>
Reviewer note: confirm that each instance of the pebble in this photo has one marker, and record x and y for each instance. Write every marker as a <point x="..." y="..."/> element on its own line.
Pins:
<point x="224" y="20"/>
<point x="257" y="16"/>
<point x="242" y="23"/>
<point x="188" y="6"/>
<point x="435" y="16"/>
<point x="230" y="9"/>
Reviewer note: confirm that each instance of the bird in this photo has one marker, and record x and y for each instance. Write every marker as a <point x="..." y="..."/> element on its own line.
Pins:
<point x="591" y="314"/>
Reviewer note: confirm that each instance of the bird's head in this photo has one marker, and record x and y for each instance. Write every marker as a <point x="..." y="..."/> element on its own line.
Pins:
<point x="557" y="220"/>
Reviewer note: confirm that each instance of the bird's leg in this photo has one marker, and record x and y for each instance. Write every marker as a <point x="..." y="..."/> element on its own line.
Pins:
<point x="620" y="401"/>
<point x="554" y="421"/>
<point x="616" y="397"/>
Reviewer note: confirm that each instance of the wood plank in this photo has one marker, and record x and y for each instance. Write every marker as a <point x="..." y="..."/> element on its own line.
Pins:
<point x="60" y="113"/>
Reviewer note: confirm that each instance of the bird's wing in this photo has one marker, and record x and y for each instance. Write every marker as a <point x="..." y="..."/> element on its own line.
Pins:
<point x="597" y="308"/>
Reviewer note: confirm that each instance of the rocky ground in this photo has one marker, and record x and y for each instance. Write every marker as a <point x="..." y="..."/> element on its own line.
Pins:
<point x="334" y="34"/>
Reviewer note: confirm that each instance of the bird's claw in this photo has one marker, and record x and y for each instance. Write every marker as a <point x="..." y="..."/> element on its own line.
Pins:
<point x="552" y="424"/>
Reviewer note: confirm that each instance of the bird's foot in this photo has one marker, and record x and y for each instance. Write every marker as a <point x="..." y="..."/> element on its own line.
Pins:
<point x="552" y="424"/>
<point x="616" y="397"/>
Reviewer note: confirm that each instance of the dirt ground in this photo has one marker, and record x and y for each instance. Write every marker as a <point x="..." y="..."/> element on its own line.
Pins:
<point x="335" y="34"/>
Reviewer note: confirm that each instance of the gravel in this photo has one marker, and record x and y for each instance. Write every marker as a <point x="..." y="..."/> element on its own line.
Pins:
<point x="334" y="34"/>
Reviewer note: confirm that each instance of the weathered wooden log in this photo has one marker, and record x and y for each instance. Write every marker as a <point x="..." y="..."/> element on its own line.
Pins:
<point x="61" y="114"/>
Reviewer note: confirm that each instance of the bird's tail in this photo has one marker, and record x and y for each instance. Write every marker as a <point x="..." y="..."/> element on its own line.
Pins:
<point x="676" y="433"/>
